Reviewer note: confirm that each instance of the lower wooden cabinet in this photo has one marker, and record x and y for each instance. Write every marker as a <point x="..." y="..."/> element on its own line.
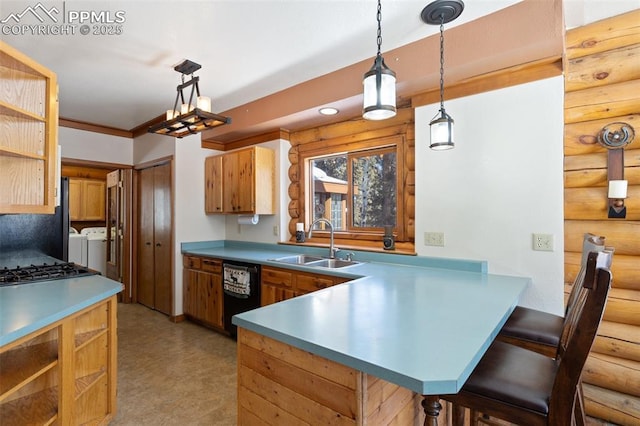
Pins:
<point x="64" y="373"/>
<point x="281" y="284"/>
<point x="202" y="290"/>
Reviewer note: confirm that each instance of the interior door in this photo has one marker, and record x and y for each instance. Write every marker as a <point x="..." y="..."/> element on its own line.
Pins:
<point x="154" y="264"/>
<point x="115" y="226"/>
<point x="145" y="263"/>
<point x="162" y="238"/>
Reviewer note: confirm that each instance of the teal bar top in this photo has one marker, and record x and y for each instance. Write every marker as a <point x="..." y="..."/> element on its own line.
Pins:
<point x="420" y="323"/>
<point x="26" y="308"/>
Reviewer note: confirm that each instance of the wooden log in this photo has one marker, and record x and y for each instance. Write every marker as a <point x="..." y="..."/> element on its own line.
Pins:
<point x="586" y="162"/>
<point x="623" y="306"/>
<point x="294" y="211"/>
<point x="410" y="159"/>
<point x="603" y="68"/>
<point x="593" y="204"/>
<point x="612" y="373"/>
<point x="293" y="173"/>
<point x="293" y="155"/>
<point x="410" y="183"/>
<point x="619" y="408"/>
<point x="581" y="137"/>
<point x="625" y="269"/>
<point x="618" y="340"/>
<point x="607" y="34"/>
<point x="623" y="235"/>
<point x="294" y="190"/>
<point x="403" y="117"/>
<point x="597" y="177"/>
<point x="600" y="102"/>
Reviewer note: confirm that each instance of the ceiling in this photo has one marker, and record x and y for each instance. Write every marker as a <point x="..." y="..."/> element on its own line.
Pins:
<point x="248" y="49"/>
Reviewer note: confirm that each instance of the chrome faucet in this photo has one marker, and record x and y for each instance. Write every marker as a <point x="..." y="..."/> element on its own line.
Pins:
<point x="332" y="250"/>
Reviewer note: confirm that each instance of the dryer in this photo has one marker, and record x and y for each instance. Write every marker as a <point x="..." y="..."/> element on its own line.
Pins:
<point x="96" y="248"/>
<point x="77" y="247"/>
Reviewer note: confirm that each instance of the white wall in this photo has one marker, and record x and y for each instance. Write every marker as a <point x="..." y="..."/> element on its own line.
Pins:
<point x="190" y="222"/>
<point x="150" y="146"/>
<point x="264" y="231"/>
<point x="90" y="146"/>
<point x="502" y="182"/>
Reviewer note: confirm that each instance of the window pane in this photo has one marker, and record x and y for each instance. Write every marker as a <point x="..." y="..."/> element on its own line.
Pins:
<point x="374" y="190"/>
<point x="329" y="188"/>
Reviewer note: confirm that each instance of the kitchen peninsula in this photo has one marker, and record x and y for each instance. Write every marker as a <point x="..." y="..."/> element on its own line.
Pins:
<point x="365" y="351"/>
<point x="58" y="352"/>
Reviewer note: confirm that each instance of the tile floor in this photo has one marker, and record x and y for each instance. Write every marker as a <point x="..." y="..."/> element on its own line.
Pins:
<point x="173" y="374"/>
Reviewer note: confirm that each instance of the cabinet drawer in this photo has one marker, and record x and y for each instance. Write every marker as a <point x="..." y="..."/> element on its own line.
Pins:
<point x="306" y="282"/>
<point x="278" y="277"/>
<point x="212" y="265"/>
<point x="191" y="262"/>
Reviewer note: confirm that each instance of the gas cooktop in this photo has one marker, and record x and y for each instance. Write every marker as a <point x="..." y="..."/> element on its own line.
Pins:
<point x="42" y="272"/>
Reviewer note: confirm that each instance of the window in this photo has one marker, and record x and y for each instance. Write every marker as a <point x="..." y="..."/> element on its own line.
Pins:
<point x="356" y="191"/>
<point x="360" y="176"/>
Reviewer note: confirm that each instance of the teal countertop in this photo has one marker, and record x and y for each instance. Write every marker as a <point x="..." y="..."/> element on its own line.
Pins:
<point x="26" y="308"/>
<point x="417" y="322"/>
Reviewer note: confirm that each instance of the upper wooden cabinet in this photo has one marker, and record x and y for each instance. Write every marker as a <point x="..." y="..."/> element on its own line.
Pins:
<point x="87" y="199"/>
<point x="241" y="182"/>
<point x="28" y="139"/>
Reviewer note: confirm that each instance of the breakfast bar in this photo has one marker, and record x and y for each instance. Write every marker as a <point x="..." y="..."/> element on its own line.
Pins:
<point x="366" y="351"/>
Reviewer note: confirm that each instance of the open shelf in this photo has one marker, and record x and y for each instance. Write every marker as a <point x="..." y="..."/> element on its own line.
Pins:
<point x="22" y="365"/>
<point x="39" y="408"/>
<point x="83" y="339"/>
<point x="15" y="111"/>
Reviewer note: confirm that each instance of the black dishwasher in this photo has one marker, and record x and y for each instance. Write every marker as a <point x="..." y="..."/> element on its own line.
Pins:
<point x="241" y="286"/>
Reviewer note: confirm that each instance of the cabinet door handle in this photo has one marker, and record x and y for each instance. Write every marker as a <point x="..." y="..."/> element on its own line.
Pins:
<point x="158" y="245"/>
<point x="148" y="243"/>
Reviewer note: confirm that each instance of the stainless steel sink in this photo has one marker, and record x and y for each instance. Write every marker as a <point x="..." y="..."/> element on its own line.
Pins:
<point x="316" y="261"/>
<point x="333" y="263"/>
<point x="300" y="259"/>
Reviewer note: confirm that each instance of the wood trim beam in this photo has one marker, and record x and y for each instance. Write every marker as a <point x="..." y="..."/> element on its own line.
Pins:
<point x="248" y="141"/>
<point x="143" y="128"/>
<point x="94" y="164"/>
<point x="512" y="76"/>
<point x="95" y="128"/>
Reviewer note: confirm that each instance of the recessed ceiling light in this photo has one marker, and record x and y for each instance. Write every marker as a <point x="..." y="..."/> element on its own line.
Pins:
<point x="328" y="111"/>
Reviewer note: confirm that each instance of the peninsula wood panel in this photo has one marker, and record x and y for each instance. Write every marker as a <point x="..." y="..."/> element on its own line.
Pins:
<point x="279" y="384"/>
<point x="602" y="86"/>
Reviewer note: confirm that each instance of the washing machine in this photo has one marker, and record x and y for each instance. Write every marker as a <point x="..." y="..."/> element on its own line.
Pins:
<point x="77" y="247"/>
<point x="96" y="248"/>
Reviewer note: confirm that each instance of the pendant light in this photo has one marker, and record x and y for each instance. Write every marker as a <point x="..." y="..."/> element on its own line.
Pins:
<point x="441" y="12"/>
<point x="185" y="118"/>
<point x="379" y="85"/>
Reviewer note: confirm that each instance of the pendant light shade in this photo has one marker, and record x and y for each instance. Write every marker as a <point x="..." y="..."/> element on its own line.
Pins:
<point x="441" y="126"/>
<point x="379" y="85"/>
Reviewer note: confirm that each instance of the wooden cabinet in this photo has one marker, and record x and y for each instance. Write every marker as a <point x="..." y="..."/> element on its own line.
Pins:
<point x="278" y="284"/>
<point x="213" y="184"/>
<point x="87" y="199"/>
<point x="28" y="140"/>
<point x="63" y="374"/>
<point x="202" y="290"/>
<point x="154" y="271"/>
<point x="241" y="182"/>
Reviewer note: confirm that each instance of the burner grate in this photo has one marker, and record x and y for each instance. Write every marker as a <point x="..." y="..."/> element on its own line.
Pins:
<point x="33" y="273"/>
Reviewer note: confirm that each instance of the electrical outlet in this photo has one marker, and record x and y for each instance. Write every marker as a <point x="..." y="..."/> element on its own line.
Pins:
<point x="434" y="239"/>
<point x="276" y="231"/>
<point x="543" y="242"/>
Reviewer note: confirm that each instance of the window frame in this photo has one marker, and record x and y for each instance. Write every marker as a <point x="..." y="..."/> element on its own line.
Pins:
<point x="374" y="145"/>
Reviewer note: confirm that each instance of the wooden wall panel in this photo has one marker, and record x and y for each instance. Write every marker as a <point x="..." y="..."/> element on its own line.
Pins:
<point x="602" y="85"/>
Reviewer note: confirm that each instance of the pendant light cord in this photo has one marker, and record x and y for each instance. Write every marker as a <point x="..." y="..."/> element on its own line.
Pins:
<point x="379" y="17"/>
<point x="442" y="63"/>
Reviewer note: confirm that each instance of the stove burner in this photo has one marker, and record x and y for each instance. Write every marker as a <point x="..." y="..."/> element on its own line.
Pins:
<point x="28" y="274"/>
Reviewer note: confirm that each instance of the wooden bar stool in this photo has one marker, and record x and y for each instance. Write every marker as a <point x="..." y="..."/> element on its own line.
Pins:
<point x="540" y="331"/>
<point x="527" y="388"/>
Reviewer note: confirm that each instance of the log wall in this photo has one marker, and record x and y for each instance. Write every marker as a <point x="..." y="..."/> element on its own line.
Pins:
<point x="602" y="86"/>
